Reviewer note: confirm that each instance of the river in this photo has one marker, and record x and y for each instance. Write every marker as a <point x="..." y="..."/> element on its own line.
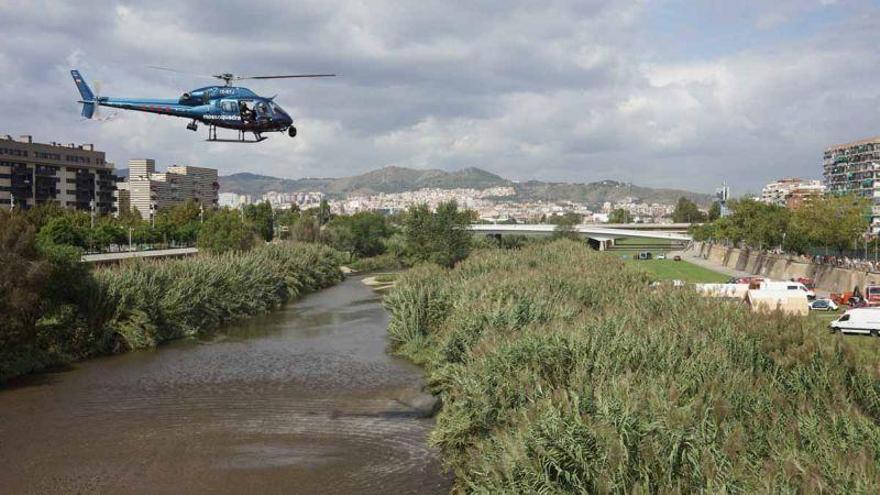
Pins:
<point x="302" y="400"/>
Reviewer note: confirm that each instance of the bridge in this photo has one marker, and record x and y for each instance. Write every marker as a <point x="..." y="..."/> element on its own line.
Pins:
<point x="601" y="237"/>
<point x="103" y="258"/>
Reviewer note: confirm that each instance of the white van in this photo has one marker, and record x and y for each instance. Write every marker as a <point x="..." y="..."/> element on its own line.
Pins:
<point x="860" y="320"/>
<point x="774" y="285"/>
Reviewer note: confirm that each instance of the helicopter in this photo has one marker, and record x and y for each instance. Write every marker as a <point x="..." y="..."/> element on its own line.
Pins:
<point x="227" y="106"/>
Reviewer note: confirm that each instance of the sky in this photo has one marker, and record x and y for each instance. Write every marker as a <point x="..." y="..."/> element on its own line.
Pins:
<point x="661" y="93"/>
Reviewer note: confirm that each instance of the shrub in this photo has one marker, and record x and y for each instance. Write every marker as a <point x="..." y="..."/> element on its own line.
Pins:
<point x="561" y="370"/>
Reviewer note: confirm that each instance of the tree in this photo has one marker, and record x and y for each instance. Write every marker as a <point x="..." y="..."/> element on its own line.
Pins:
<point x="324" y="212"/>
<point x="714" y="211"/>
<point x="567" y="218"/>
<point x="23" y="274"/>
<point x="565" y="226"/>
<point x="307" y="228"/>
<point x="63" y="230"/>
<point x="40" y="214"/>
<point x="619" y="216"/>
<point x="261" y="217"/>
<point x="442" y="237"/>
<point x="107" y="232"/>
<point x="361" y="234"/>
<point x="686" y="211"/>
<point x="832" y="221"/>
<point x="225" y="231"/>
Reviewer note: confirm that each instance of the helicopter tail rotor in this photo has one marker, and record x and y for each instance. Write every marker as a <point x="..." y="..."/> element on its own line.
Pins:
<point x="89" y="102"/>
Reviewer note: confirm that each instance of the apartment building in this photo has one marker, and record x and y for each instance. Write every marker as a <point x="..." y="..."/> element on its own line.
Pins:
<point x="73" y="176"/>
<point x="149" y="191"/>
<point x="791" y="192"/>
<point x="854" y="168"/>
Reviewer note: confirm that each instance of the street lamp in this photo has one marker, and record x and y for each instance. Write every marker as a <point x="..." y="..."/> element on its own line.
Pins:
<point x="92" y="208"/>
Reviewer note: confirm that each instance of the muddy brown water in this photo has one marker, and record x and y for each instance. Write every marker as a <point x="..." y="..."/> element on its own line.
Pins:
<point x="303" y="400"/>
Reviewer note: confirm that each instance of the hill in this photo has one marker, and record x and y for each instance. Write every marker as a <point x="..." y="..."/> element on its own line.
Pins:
<point x="597" y="193"/>
<point x="400" y="179"/>
<point x="384" y="180"/>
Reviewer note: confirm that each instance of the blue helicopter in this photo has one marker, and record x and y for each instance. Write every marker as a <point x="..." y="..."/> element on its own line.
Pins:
<point x="226" y="106"/>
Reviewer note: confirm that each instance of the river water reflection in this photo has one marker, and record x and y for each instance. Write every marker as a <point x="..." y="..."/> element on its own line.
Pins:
<point x="304" y="400"/>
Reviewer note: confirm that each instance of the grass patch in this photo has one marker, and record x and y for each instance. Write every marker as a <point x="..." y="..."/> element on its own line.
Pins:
<point x="678" y="270"/>
<point x="387" y="261"/>
<point x="386" y="278"/>
<point x="562" y="371"/>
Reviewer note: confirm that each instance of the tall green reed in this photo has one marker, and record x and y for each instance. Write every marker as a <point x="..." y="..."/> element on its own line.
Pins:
<point x="562" y="370"/>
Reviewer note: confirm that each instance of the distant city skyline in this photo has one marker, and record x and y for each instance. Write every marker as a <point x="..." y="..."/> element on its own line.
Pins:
<point x="661" y="94"/>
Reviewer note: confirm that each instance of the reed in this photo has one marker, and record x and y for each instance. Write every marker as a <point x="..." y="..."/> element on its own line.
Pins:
<point x="561" y="370"/>
<point x="153" y="301"/>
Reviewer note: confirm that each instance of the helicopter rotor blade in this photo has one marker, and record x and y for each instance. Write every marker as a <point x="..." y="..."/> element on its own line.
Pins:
<point x="168" y="69"/>
<point x="239" y="78"/>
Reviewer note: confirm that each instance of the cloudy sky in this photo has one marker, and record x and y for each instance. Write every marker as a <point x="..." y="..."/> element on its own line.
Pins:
<point x="660" y="93"/>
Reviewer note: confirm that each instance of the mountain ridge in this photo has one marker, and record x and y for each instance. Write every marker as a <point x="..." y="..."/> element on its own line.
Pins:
<point x="395" y="179"/>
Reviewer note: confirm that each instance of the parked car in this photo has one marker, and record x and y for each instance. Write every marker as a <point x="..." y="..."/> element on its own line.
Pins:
<point x="661" y="256"/>
<point x="823" y="305"/>
<point x="645" y="255"/>
<point x="676" y="258"/>
<point x="862" y="320"/>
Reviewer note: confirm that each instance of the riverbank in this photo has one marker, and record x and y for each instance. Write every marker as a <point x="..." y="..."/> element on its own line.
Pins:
<point x="779" y="267"/>
<point x="141" y="304"/>
<point x="562" y="370"/>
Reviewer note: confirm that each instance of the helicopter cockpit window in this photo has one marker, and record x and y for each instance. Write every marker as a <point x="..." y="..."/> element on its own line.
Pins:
<point x="262" y="109"/>
<point x="276" y="109"/>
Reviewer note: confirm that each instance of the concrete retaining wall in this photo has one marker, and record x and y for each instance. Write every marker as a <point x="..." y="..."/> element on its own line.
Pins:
<point x="781" y="268"/>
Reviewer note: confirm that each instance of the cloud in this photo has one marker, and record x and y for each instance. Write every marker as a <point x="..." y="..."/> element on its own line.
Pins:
<point x="667" y="93"/>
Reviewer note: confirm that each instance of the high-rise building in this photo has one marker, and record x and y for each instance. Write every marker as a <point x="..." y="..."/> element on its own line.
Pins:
<point x="854" y="168"/>
<point x="791" y="192"/>
<point x="149" y="191"/>
<point x="76" y="177"/>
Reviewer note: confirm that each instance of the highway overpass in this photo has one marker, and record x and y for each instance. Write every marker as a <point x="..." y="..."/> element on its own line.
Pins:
<point x="603" y="237"/>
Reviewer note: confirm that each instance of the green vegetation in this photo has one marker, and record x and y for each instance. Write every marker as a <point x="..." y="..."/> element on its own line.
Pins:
<point x="157" y="301"/>
<point x="440" y="237"/>
<point x="226" y="231"/>
<point x="361" y="234"/>
<point x="388" y="261"/>
<point x="619" y="216"/>
<point x="830" y="222"/>
<point x="386" y="278"/>
<point x="562" y="371"/>
<point x="665" y="270"/>
<point x="54" y="310"/>
<point x="686" y="211"/>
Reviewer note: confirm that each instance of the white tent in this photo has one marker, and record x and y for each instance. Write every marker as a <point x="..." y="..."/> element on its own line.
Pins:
<point x="787" y="301"/>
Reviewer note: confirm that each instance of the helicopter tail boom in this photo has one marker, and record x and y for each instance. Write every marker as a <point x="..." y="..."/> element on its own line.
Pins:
<point x="88" y="98"/>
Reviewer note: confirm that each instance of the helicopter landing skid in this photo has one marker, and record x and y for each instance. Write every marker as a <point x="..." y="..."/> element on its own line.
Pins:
<point x="242" y="137"/>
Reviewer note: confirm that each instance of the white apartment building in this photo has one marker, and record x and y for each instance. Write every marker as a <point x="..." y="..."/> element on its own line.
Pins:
<point x="149" y="191"/>
<point x="788" y="191"/>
